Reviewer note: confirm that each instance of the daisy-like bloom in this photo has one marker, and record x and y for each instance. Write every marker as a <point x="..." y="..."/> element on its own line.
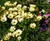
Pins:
<point x="3" y="19"/>
<point x="19" y="38"/>
<point x="24" y="15"/>
<point x="17" y="33"/>
<point x="12" y="28"/>
<point x="7" y="37"/>
<point x="14" y="21"/>
<point x="7" y="3"/>
<point x="32" y="25"/>
<point x="20" y="19"/>
<point x="31" y="9"/>
<point x="10" y="16"/>
<point x="38" y="18"/>
<point x="29" y="15"/>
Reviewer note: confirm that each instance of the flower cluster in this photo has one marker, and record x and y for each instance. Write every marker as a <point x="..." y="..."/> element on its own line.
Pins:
<point x="17" y="13"/>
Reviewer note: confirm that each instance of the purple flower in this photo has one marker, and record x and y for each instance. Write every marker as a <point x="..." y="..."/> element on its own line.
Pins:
<point x="46" y="21"/>
<point x="47" y="15"/>
<point x="42" y="29"/>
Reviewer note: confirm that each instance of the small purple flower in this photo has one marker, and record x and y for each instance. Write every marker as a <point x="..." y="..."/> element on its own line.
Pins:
<point x="47" y="15"/>
<point x="46" y="21"/>
<point x="42" y="28"/>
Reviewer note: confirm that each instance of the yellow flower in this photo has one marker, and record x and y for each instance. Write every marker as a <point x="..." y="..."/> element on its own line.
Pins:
<point x="29" y="15"/>
<point x="7" y="3"/>
<point x="38" y="18"/>
<point x="18" y="32"/>
<point x="24" y="15"/>
<point x="7" y="36"/>
<point x="32" y="25"/>
<point x="19" y="38"/>
<point x="31" y="9"/>
<point x="3" y="19"/>
<point x="10" y="16"/>
<point x="12" y="28"/>
<point x="20" y="19"/>
<point x="14" y="21"/>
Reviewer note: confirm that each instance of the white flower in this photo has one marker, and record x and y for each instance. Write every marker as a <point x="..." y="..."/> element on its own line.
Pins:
<point x="32" y="25"/>
<point x="3" y="19"/>
<point x="32" y="5"/>
<point x="14" y="21"/>
<point x="7" y="3"/>
<point x="20" y="19"/>
<point x="43" y="11"/>
<point x="18" y="32"/>
<point x="19" y="38"/>
<point x="31" y="9"/>
<point x="29" y="15"/>
<point x="12" y="28"/>
<point x="24" y="15"/>
<point x="38" y="18"/>
<point x="10" y="16"/>
<point x="7" y="37"/>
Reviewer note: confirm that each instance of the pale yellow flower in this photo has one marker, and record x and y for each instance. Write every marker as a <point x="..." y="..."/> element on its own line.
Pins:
<point x="14" y="21"/>
<point x="3" y="19"/>
<point x="19" y="38"/>
<point x="29" y="15"/>
<point x="7" y="36"/>
<point x="32" y="25"/>
<point x="31" y="9"/>
<point x="12" y="28"/>
<point x="38" y="18"/>
<point x="10" y="16"/>
<point x="20" y="19"/>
